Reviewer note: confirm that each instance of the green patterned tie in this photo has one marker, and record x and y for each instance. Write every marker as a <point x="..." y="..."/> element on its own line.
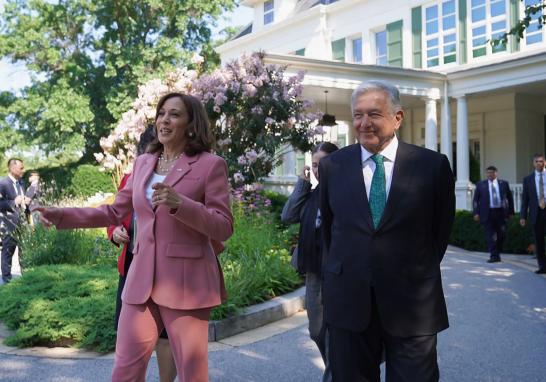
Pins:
<point x="378" y="193"/>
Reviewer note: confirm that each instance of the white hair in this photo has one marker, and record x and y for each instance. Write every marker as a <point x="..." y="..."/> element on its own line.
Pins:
<point x="386" y="87"/>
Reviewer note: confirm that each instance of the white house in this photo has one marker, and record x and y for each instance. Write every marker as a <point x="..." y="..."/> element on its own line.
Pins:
<point x="462" y="96"/>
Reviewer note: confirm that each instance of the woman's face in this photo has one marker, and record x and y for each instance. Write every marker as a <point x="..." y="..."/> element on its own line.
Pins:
<point x="171" y="122"/>
<point x="315" y="159"/>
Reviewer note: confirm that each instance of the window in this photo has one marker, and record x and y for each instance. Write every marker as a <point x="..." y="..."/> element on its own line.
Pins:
<point x="356" y="48"/>
<point x="338" y="50"/>
<point x="488" y="21"/>
<point x="533" y="34"/>
<point x="269" y="12"/>
<point x="381" y="48"/>
<point x="440" y="33"/>
<point x="300" y="52"/>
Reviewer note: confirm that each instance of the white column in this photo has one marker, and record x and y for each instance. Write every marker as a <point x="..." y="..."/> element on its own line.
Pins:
<point x="446" y="144"/>
<point x="431" y="125"/>
<point x="463" y="187"/>
<point x="289" y="162"/>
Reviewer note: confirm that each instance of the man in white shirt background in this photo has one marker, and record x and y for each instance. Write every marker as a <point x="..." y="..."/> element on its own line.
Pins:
<point x="13" y="205"/>
<point x="493" y="204"/>
<point x="533" y="208"/>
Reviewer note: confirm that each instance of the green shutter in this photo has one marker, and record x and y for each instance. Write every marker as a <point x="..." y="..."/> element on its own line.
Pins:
<point x="514" y="18"/>
<point x="462" y="31"/>
<point x="416" y="39"/>
<point x="394" y="44"/>
<point x="338" y="50"/>
<point x="300" y="52"/>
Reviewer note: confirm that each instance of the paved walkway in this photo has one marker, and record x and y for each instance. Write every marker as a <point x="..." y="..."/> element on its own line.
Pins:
<point x="498" y="333"/>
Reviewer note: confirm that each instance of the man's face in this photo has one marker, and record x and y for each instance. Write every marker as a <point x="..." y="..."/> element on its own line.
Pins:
<point x="539" y="163"/>
<point x="374" y="120"/>
<point x="17" y="169"/>
<point x="491" y="174"/>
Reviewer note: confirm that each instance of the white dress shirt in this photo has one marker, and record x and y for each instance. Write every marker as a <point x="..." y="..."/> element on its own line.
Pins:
<point x="537" y="182"/>
<point x="495" y="183"/>
<point x="155" y="178"/>
<point x="368" y="165"/>
<point x="14" y="182"/>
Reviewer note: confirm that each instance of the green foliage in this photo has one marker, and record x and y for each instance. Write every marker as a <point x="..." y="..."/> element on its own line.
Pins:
<point x="470" y="235"/>
<point x="256" y="263"/>
<point x="86" y="59"/>
<point x="88" y="180"/>
<point x="278" y="201"/>
<point x="56" y="305"/>
<point x="40" y="246"/>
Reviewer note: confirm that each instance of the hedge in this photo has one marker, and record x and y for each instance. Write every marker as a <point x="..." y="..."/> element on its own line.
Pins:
<point x="470" y="235"/>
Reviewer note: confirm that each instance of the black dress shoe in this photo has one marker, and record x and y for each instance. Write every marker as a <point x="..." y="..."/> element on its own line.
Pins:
<point x="494" y="260"/>
<point x="540" y="271"/>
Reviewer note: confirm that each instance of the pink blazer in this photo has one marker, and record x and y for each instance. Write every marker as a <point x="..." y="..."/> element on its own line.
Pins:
<point x="175" y="253"/>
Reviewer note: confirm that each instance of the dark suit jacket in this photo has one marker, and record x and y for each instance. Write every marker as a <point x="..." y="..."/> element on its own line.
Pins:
<point x="481" y="199"/>
<point x="529" y="199"/>
<point x="10" y="215"/>
<point x="401" y="258"/>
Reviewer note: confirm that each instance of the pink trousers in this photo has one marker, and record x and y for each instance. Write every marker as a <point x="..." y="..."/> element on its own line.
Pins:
<point x="138" y="330"/>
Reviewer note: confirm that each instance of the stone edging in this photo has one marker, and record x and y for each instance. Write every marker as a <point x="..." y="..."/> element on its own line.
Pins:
<point x="250" y="318"/>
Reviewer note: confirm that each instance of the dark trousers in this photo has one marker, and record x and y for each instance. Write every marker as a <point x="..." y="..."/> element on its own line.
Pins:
<point x="495" y="232"/>
<point x="538" y="230"/>
<point x="356" y="356"/>
<point x="8" y="249"/>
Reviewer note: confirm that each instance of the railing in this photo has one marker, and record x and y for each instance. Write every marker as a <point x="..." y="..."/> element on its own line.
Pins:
<point x="517" y="189"/>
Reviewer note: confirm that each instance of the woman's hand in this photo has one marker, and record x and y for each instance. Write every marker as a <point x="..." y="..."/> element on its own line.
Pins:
<point x="120" y="235"/>
<point x="49" y="216"/>
<point x="165" y="194"/>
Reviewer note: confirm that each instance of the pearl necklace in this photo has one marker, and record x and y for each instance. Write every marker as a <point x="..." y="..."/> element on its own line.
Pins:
<point x="166" y="165"/>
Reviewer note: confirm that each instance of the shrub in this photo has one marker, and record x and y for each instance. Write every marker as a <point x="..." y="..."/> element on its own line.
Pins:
<point x="40" y="246"/>
<point x="470" y="235"/>
<point x="87" y="180"/>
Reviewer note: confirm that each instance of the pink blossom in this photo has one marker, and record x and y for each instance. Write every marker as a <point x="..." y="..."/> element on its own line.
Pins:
<point x="238" y="177"/>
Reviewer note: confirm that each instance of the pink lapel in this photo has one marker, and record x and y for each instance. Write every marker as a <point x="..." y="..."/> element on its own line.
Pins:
<point x="180" y="168"/>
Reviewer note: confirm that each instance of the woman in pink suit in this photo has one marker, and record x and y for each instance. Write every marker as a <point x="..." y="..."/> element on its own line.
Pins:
<point x="180" y="195"/>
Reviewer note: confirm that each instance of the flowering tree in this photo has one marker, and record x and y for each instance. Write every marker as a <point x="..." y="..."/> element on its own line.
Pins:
<point x="255" y="110"/>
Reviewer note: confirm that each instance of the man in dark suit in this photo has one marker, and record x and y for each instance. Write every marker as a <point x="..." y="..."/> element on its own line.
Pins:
<point x="533" y="208"/>
<point x="387" y="210"/>
<point x="13" y="206"/>
<point x="493" y="204"/>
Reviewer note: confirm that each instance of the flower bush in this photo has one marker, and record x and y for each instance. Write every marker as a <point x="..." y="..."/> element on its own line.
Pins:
<point x="255" y="109"/>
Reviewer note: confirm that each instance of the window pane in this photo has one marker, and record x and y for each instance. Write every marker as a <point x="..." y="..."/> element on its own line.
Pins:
<point x="498" y="8"/>
<point x="479" y="52"/>
<point x="433" y="62"/>
<point x="381" y="43"/>
<point x="448" y="7"/>
<point x="432" y="52"/>
<point x="478" y="14"/>
<point x="432" y="43"/>
<point x="450" y="38"/>
<point x="338" y="50"/>
<point x="536" y="38"/>
<point x="476" y="3"/>
<point x="268" y="6"/>
<point x="432" y="27"/>
<point x="268" y="18"/>
<point x="449" y="59"/>
<point x="357" y="50"/>
<point x="382" y="60"/>
<point x="448" y="22"/>
<point x="478" y="31"/>
<point x="533" y="27"/>
<point x="432" y="12"/>
<point x="498" y="26"/>
<point x="450" y="48"/>
<point x="479" y="41"/>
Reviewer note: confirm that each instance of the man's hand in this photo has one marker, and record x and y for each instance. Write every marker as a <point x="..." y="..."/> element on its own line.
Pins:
<point x="120" y="235"/>
<point x="522" y="222"/>
<point x="19" y="199"/>
<point x="49" y="216"/>
<point x="306" y="173"/>
<point x="477" y="218"/>
<point x="165" y="194"/>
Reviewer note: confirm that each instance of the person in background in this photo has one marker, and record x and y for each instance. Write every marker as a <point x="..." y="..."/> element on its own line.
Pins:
<point x="124" y="235"/>
<point x="13" y="208"/>
<point x="34" y="192"/>
<point x="303" y="207"/>
<point x="493" y="204"/>
<point x="179" y="192"/>
<point x="533" y="208"/>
